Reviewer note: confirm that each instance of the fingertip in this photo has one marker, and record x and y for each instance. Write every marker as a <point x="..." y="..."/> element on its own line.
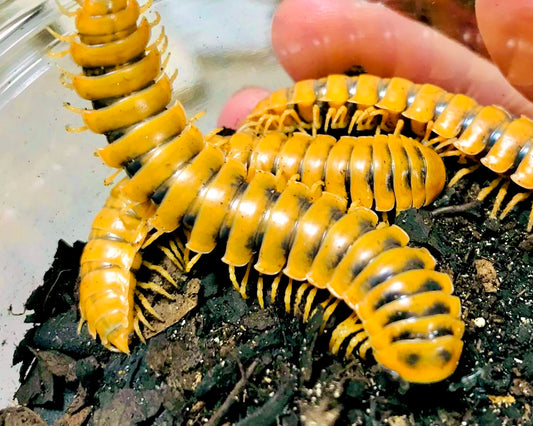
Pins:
<point x="508" y="35"/>
<point x="239" y="106"/>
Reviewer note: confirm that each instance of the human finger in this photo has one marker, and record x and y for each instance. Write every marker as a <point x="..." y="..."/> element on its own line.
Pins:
<point x="313" y="38"/>
<point x="239" y="106"/>
<point x="507" y="31"/>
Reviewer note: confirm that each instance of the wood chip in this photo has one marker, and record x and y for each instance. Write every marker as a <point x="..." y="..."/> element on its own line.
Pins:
<point x="487" y="274"/>
<point x="174" y="310"/>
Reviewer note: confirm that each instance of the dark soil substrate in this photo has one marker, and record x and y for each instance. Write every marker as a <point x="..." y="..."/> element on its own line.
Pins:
<point x="228" y="361"/>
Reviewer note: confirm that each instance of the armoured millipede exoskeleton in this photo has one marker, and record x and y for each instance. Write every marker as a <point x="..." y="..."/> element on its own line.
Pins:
<point x="454" y="124"/>
<point x="290" y="234"/>
<point x="383" y="172"/>
<point x="108" y="262"/>
<point x="123" y="77"/>
<point x="408" y="315"/>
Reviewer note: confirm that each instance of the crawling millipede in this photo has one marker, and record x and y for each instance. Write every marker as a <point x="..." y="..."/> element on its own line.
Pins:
<point x="123" y="77"/>
<point x="452" y="123"/>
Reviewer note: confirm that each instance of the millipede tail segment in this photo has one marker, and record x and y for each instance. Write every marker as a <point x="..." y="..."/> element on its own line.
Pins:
<point x="108" y="261"/>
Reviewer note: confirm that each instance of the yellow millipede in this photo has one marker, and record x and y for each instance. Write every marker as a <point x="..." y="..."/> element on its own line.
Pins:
<point x="409" y="317"/>
<point x="123" y="77"/>
<point x="402" y="308"/>
<point x="454" y="124"/>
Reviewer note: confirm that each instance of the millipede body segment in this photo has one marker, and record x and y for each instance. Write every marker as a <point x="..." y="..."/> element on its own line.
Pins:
<point x="382" y="172"/>
<point x="454" y="123"/>
<point x="107" y="264"/>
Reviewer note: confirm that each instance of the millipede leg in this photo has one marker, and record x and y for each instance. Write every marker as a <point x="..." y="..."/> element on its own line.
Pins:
<point x="290" y="113"/>
<point x="233" y="278"/>
<point x="339" y="121"/>
<point x="328" y="312"/>
<point x="140" y="318"/>
<point x="499" y="199"/>
<point x="518" y="198"/>
<point x="288" y="295"/>
<point x="64" y="10"/>
<point x="462" y="173"/>
<point x="329" y="116"/>
<point x="443" y="143"/>
<point x="309" y="303"/>
<point x="354" y="341"/>
<point x="156" y="288"/>
<point x="178" y="261"/>
<point x="61" y="37"/>
<point x="399" y="127"/>
<point x="487" y="190"/>
<point x="156" y="20"/>
<point x="298" y="299"/>
<point x="316" y="120"/>
<point x="161" y="271"/>
<point x="72" y="108"/>
<point x="190" y="264"/>
<point x="244" y="282"/>
<point x="109" y="180"/>
<point x="152" y="238"/>
<point x="80" y="325"/>
<point x="259" y="122"/>
<point x="364" y="348"/>
<point x="137" y="328"/>
<point x="271" y="121"/>
<point x="145" y="6"/>
<point x="63" y="80"/>
<point x="260" y="291"/>
<point x="427" y="134"/>
<point x="149" y="308"/>
<point x="274" y="289"/>
<point x="346" y="328"/>
<point x="162" y="38"/>
<point x="78" y="129"/>
<point x="354" y="120"/>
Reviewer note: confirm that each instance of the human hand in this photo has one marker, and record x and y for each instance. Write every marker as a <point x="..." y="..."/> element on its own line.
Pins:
<point x="313" y="38"/>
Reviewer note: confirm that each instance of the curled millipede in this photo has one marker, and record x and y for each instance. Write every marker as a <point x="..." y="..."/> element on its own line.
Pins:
<point x="382" y="172"/>
<point x="452" y="123"/>
<point x="308" y="237"/>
